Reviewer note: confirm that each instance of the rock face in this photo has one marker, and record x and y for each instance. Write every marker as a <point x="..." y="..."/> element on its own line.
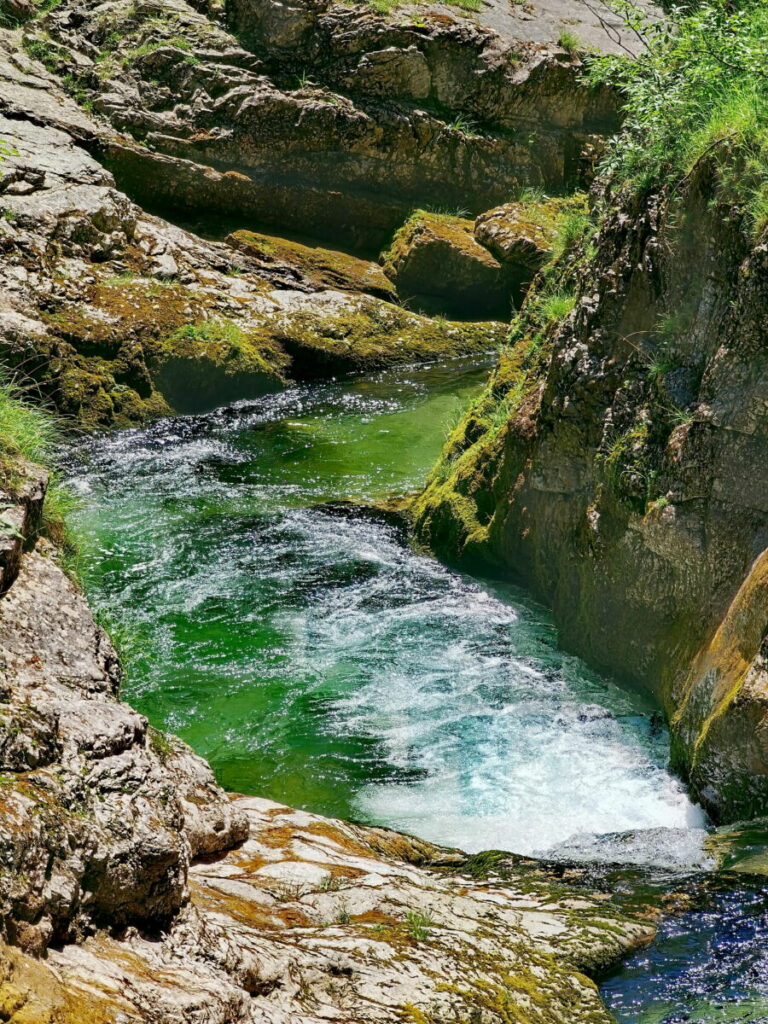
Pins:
<point x="100" y="817"/>
<point x="321" y="117"/>
<point x="617" y="464"/>
<point x="157" y="898"/>
<point x="435" y="260"/>
<point x="118" y="315"/>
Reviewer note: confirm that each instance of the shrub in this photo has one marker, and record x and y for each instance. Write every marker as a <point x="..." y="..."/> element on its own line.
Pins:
<point x="698" y="88"/>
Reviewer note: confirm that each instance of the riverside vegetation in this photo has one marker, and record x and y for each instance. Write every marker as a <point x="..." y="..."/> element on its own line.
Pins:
<point x="212" y="222"/>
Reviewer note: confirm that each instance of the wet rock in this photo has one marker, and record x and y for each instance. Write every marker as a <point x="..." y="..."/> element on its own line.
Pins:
<point x="637" y="518"/>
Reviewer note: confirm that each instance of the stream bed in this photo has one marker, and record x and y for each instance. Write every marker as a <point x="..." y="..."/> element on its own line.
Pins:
<point x="313" y="657"/>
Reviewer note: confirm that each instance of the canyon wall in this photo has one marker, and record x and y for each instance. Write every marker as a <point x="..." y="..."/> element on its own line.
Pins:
<point x="617" y="465"/>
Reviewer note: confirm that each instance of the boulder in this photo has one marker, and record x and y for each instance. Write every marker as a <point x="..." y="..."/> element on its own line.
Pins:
<point x="324" y="268"/>
<point x="519" y="234"/>
<point x="437" y="264"/>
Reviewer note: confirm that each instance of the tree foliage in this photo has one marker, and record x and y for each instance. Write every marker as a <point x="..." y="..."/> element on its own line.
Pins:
<point x="697" y="88"/>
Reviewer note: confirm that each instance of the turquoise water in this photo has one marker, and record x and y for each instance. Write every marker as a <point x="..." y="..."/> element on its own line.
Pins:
<point x="315" y="658"/>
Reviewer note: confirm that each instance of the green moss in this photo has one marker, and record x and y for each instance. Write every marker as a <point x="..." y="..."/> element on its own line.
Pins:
<point x="628" y="463"/>
<point x="327" y="268"/>
<point x="368" y="334"/>
<point x="225" y="344"/>
<point x="454" y="230"/>
<point x="161" y="744"/>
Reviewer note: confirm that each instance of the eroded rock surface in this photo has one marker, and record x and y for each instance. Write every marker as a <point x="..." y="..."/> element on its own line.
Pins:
<point x="99" y="818"/>
<point x="119" y="315"/>
<point x="617" y="464"/>
<point x="323" y="116"/>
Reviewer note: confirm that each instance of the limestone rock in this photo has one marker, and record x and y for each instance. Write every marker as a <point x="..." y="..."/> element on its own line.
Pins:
<point x="394" y="112"/>
<point x="627" y="482"/>
<point x="118" y="315"/>
<point x="21" y="509"/>
<point x="324" y="268"/>
<point x="519" y="233"/>
<point x="97" y="826"/>
<point x="436" y="261"/>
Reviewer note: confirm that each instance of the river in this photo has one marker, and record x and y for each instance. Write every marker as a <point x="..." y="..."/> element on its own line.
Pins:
<point x="313" y="657"/>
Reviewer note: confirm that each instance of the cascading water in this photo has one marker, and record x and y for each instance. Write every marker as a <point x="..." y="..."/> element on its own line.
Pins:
<point x="313" y="657"/>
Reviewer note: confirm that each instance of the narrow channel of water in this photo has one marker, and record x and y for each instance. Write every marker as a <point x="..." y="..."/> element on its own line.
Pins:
<point x="313" y="657"/>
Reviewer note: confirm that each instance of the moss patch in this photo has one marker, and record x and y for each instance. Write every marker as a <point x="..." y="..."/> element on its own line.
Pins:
<point x="435" y="256"/>
<point x="325" y="268"/>
<point x="369" y="334"/>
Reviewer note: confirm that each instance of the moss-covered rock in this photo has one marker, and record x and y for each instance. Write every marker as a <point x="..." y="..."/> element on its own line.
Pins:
<point x="328" y="333"/>
<point x="524" y="233"/>
<point x="436" y="262"/>
<point x="136" y="347"/>
<point x="323" y="268"/>
<point x="623" y="477"/>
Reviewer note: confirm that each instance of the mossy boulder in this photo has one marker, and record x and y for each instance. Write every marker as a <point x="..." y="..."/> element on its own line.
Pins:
<point x="521" y="234"/>
<point x="436" y="262"/>
<point x="323" y="268"/>
<point x="214" y="361"/>
<point x="136" y="347"/>
<point x="328" y="333"/>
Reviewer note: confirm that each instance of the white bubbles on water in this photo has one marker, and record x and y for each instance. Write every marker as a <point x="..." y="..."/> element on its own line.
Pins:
<point x="514" y="746"/>
<point x="442" y="703"/>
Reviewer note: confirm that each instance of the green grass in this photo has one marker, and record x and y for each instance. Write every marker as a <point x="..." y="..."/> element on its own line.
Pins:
<point x="569" y="41"/>
<point x="29" y="432"/>
<point x="26" y="431"/>
<point x="418" y="925"/>
<point x="214" y="332"/>
<point x="555" y="306"/>
<point x="697" y="91"/>
<point x="465" y="125"/>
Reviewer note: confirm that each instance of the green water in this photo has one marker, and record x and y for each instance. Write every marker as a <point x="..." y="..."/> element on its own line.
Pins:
<point x="314" y="658"/>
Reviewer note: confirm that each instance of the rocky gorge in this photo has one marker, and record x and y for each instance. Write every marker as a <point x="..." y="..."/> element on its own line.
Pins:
<point x="192" y="204"/>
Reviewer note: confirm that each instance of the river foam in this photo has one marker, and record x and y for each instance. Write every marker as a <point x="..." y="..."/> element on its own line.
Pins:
<point x="314" y="658"/>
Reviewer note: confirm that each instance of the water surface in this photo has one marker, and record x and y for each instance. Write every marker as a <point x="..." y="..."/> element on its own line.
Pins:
<point x="314" y="658"/>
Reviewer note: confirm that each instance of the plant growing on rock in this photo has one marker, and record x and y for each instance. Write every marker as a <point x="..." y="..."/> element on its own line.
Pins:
<point x="569" y="41"/>
<point x="698" y="89"/>
<point x="30" y="433"/>
<point x="418" y="925"/>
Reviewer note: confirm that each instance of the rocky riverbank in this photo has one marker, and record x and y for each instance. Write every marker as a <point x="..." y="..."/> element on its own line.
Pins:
<point x="133" y="889"/>
<point x="616" y="465"/>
